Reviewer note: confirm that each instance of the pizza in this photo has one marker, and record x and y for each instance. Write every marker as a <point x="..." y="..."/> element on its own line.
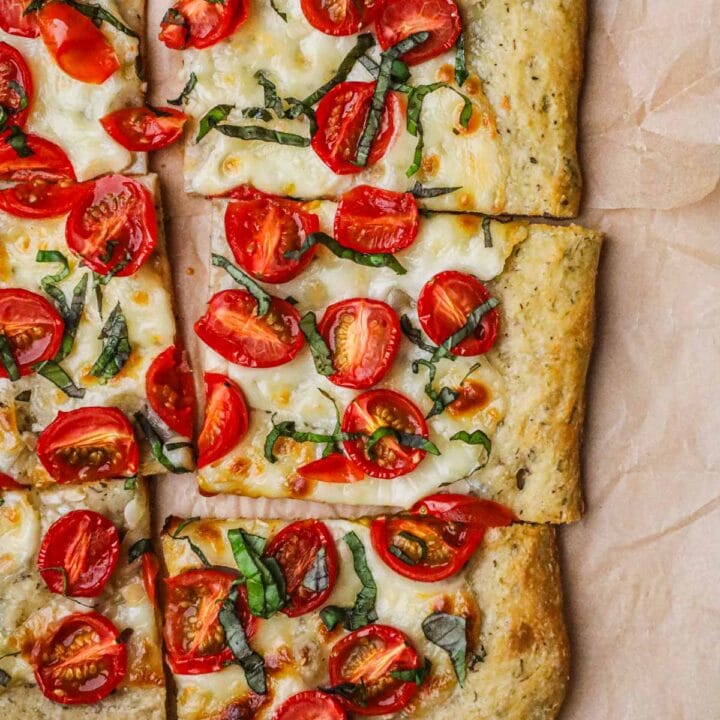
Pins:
<point x="361" y="298"/>
<point x="79" y="635"/>
<point x="87" y="335"/>
<point x="476" y="98"/>
<point x="412" y="615"/>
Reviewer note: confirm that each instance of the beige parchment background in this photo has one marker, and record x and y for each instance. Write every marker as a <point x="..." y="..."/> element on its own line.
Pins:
<point x="642" y="570"/>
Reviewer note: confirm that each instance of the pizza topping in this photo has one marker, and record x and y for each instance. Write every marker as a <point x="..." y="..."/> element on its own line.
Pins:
<point x="150" y="570"/>
<point x="15" y="21"/>
<point x="160" y="447"/>
<point x="141" y="129"/>
<point x="184" y="96"/>
<point x="334" y="468"/>
<point x="115" y="348"/>
<point x="16" y="87"/>
<point x="39" y="199"/>
<point x="29" y="157"/>
<point x="81" y="660"/>
<point x="455" y="507"/>
<point x="88" y="444"/>
<point x="169" y="389"/>
<point x="79" y="553"/>
<point x="449" y="632"/>
<point x="421" y="191"/>
<point x="201" y="23"/>
<point x="322" y="357"/>
<point x="340" y="17"/>
<point x="175" y="535"/>
<point x="310" y="705"/>
<point x="7" y="483"/>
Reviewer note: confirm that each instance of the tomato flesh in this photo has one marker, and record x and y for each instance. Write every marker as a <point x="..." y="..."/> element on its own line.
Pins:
<point x="8" y="483"/>
<point x="14" y="21"/>
<point x="200" y="23"/>
<point x="39" y="198"/>
<point x="335" y="468"/>
<point x="170" y="391"/>
<point x="339" y="17"/>
<point x="150" y="569"/>
<point x="14" y="74"/>
<point x="141" y="129"/>
<point x="46" y="161"/>
<point x="455" y="507"/>
<point x="310" y="705"/>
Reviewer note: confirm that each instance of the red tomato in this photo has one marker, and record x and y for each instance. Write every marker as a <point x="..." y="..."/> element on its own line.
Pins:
<point x="260" y="231"/>
<point x="194" y="637"/>
<point x="38" y="199"/>
<point x="88" y="444"/>
<point x="341" y="117"/>
<point x="81" y="660"/>
<point x="455" y="507"/>
<point x="368" y="656"/>
<point x="7" y="483"/>
<point x="46" y="162"/>
<point x="383" y="408"/>
<point x="150" y="569"/>
<point x="398" y="19"/>
<point x="14" y="21"/>
<point x="335" y="468"/>
<point x="363" y="336"/>
<point x="78" y="554"/>
<point x="296" y="548"/>
<point x="310" y="705"/>
<point x="141" y="129"/>
<point x="76" y="44"/>
<point x="170" y="391"/>
<point x="113" y="223"/>
<point x="233" y="329"/>
<point x="14" y="73"/>
<point x="444" y="306"/>
<point x="201" y="23"/>
<point x="371" y="220"/>
<point x="344" y="17"/>
<point x="226" y="419"/>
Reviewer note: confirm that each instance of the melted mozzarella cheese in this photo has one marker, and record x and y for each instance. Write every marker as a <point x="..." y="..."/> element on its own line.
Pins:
<point x="19" y="533"/>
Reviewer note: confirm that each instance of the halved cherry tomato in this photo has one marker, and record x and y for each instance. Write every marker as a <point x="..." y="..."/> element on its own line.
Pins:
<point x="39" y="198"/>
<point x="383" y="408"/>
<point x="372" y="220"/>
<point x="141" y="129"/>
<point x="170" y="391"/>
<point x="88" y="444"/>
<point x="16" y="86"/>
<point x="81" y="660"/>
<point x="194" y="637"/>
<point x="444" y="305"/>
<point x="310" y="705"/>
<point x="455" y="507"/>
<point x="335" y="468"/>
<point x="296" y="548"/>
<point x="7" y="483"/>
<point x="226" y="419"/>
<point x="150" y="569"/>
<point x="341" y="117"/>
<point x="260" y="231"/>
<point x="79" y="553"/>
<point x="201" y="23"/>
<point x="32" y="327"/>
<point x="113" y="225"/>
<point x="233" y="329"/>
<point x="46" y="161"/>
<point x="76" y="44"/>
<point x="344" y="17"/>
<point x="398" y="19"/>
<point x="368" y="656"/>
<point x="14" y="21"/>
<point x="363" y="336"/>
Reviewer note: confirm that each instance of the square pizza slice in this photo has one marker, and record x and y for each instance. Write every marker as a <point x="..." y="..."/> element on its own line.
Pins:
<point x="395" y="353"/>
<point x="87" y="337"/>
<point x="477" y="98"/>
<point x="78" y="624"/>
<point x="319" y="619"/>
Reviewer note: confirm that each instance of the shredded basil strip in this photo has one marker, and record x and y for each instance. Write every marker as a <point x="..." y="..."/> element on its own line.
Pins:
<point x="400" y="553"/>
<point x="72" y="318"/>
<point x="270" y="96"/>
<point x="317" y="579"/>
<point x="449" y="633"/>
<point x="157" y="446"/>
<point x="477" y="437"/>
<point x="416" y="675"/>
<point x="420" y="191"/>
<point x="51" y="371"/>
<point x="255" y="132"/>
<point x="17" y="140"/>
<point x="139" y="548"/>
<point x="261" y="297"/>
<point x="257" y="113"/>
<point x="4" y="678"/>
<point x="211" y="118"/>
<point x="461" y="73"/>
<point x="473" y="321"/>
<point x="177" y="536"/>
<point x="8" y="359"/>
<point x="184" y="96"/>
<point x="410" y="440"/>
<point x="356" y="693"/>
<point x="414" y="335"/>
<point x="131" y="483"/>
<point x="287" y="429"/>
<point x="333" y="447"/>
<point x="486" y="232"/>
<point x="24" y="396"/>
<point x="397" y="73"/>
<point x="20" y="90"/>
<point x="282" y="15"/>
<point x="116" y="346"/>
<point x="99" y="15"/>
<point x="322" y="357"/>
<point x="441" y="399"/>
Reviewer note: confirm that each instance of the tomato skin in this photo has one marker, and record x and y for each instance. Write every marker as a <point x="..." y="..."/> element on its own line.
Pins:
<point x="226" y="419"/>
<point x="335" y="468"/>
<point x="113" y="209"/>
<point x="110" y="657"/>
<point x="341" y="116"/>
<point x="310" y="705"/>
<point x="39" y="199"/>
<point x="456" y="507"/>
<point x="398" y="19"/>
<point x="150" y="569"/>
<point x="356" y="15"/>
<point x="14" y="22"/>
<point x="295" y="548"/>
<point x="139" y="129"/>
<point x="362" y="416"/>
<point x="170" y="391"/>
<point x="366" y="335"/>
<point x="372" y="220"/>
<point x="382" y="638"/>
<point x="201" y="24"/>
<point x="67" y="444"/>
<point x="79" y="48"/>
<point x="47" y="161"/>
<point x="13" y="68"/>
<point x="444" y="305"/>
<point x="8" y="483"/>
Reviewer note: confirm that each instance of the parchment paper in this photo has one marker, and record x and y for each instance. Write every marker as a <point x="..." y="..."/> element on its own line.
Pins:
<point x="642" y="570"/>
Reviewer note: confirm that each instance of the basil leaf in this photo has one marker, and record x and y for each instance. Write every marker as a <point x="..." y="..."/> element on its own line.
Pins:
<point x="8" y="359"/>
<point x="24" y="396"/>
<point x="420" y="191"/>
<point x="51" y="371"/>
<point x="461" y="73"/>
<point x="413" y="544"/>
<point x="270" y="96"/>
<point x="72" y="318"/>
<point x="254" y="132"/>
<point x="17" y="140"/>
<point x="177" y="536"/>
<point x="257" y="113"/>
<point x="473" y="321"/>
<point x="486" y="232"/>
<point x="261" y="297"/>
<point x="139" y="548"/>
<point x="184" y="96"/>
<point x="333" y="447"/>
<point x="178" y="445"/>
<point x="410" y="440"/>
<point x="416" y="675"/>
<point x="477" y="437"/>
<point x="397" y="73"/>
<point x="449" y="633"/>
<point x="211" y="118"/>
<point x="287" y="429"/>
<point x="356" y="693"/>
<point x="116" y="346"/>
<point x="131" y="483"/>
<point x="322" y="357"/>
<point x="414" y="335"/>
<point x="53" y="256"/>
<point x="316" y="579"/>
<point x="99" y="15"/>
<point x="20" y="91"/>
<point x="441" y="399"/>
<point x="278" y="11"/>
<point x="157" y="446"/>
<point x="4" y="678"/>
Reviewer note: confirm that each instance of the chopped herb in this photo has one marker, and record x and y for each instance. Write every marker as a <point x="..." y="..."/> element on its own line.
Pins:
<point x="473" y="321"/>
<point x="449" y="633"/>
<point x="416" y="545"/>
<point x="414" y="335"/>
<point x="407" y="439"/>
<point x="17" y="140"/>
<point x="322" y="357"/>
<point x="261" y="297"/>
<point x="99" y="15"/>
<point x="211" y="118"/>
<point x="254" y="132"/>
<point x="178" y="445"/>
<point x="4" y="678"/>
<point x="177" y="536"/>
<point x="116" y="346"/>
<point x="157" y="446"/>
<point x="271" y="98"/>
<point x="51" y="371"/>
<point x="257" y="113"/>
<point x="356" y="693"/>
<point x="486" y="232"/>
<point x="461" y="73"/>
<point x="317" y="579"/>
<point x="416" y="675"/>
<point x="139" y="548"/>
<point x="282" y="15"/>
<point x="131" y="483"/>
<point x="397" y="72"/>
<point x="184" y="96"/>
<point x="72" y="319"/>
<point x="477" y="437"/>
<point x="420" y="191"/>
<point x="24" y="396"/>
<point x="287" y="429"/>
<point x="20" y="91"/>
<point x="7" y="359"/>
<point x="441" y="399"/>
<point x="333" y="447"/>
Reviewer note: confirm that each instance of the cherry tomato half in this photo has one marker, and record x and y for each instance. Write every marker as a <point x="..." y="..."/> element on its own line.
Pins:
<point x="76" y="44"/>
<point x="344" y="17"/>
<point x="201" y="23"/>
<point x="88" y="444"/>
<point x="79" y="553"/>
<point x="113" y="225"/>
<point x="444" y="306"/>
<point x="232" y="328"/>
<point x="14" y="21"/>
<point x="16" y="86"/>
<point x="368" y="656"/>
<point x="150" y="569"/>
<point x="398" y="19"/>
<point x="142" y="129"/>
<point x="383" y="408"/>
<point x="170" y="391"/>
<point x="8" y="483"/>
<point x="335" y="468"/>
<point x="46" y="161"/>
<point x="32" y="327"/>
<point x="341" y="117"/>
<point x="194" y="637"/>
<point x="81" y="660"/>
<point x="310" y="705"/>
<point x="39" y="198"/>
<point x="296" y="548"/>
<point x="371" y="220"/>
<point x="455" y="507"/>
<point x="226" y="419"/>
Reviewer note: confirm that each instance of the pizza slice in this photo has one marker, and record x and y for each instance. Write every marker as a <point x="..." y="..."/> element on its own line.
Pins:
<point x="78" y="627"/>
<point x="87" y="337"/>
<point x="415" y="615"/>
<point x="474" y="104"/>
<point x="366" y="353"/>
